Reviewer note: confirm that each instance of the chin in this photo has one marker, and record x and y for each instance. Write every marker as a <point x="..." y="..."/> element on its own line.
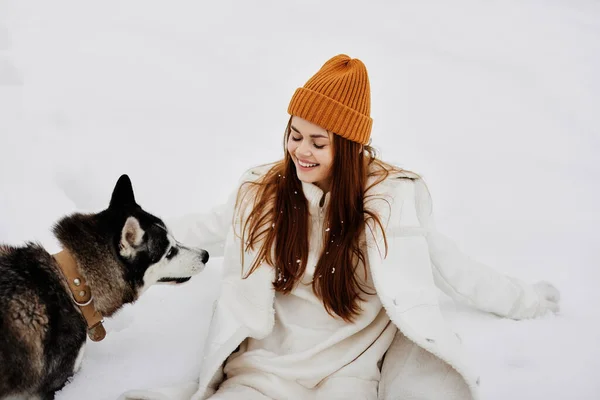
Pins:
<point x="307" y="178"/>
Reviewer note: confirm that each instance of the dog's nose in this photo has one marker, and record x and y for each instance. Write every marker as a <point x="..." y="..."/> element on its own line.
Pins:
<point x="204" y="256"/>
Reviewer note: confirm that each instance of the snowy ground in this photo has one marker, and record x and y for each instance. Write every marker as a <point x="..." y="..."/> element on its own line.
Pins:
<point x="495" y="103"/>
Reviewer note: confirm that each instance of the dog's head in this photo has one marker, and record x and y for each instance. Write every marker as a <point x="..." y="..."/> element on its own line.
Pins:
<point x="123" y="250"/>
<point x="145" y="246"/>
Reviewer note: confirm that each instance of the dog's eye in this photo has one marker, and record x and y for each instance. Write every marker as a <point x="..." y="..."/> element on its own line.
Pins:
<point x="172" y="252"/>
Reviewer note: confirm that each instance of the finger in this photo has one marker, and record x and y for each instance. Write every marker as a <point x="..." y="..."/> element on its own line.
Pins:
<point x="554" y="307"/>
<point x="553" y="296"/>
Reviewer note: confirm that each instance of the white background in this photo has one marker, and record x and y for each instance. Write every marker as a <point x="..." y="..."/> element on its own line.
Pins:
<point x="495" y="103"/>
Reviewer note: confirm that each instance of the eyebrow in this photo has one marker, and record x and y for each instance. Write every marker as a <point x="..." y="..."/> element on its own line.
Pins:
<point x="314" y="136"/>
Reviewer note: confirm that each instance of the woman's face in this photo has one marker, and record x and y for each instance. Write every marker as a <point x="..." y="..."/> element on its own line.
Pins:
<point x="311" y="149"/>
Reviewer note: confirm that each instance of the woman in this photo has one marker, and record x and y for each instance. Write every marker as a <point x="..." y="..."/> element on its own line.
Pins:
<point x="331" y="262"/>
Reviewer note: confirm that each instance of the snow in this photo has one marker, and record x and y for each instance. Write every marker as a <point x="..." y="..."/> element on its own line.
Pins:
<point x="495" y="103"/>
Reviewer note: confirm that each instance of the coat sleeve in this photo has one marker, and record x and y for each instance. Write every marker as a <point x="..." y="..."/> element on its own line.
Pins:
<point x="205" y="230"/>
<point x="469" y="281"/>
<point x="209" y="230"/>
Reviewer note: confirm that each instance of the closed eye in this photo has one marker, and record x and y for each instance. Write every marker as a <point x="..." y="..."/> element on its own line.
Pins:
<point x="297" y="139"/>
<point x="172" y="252"/>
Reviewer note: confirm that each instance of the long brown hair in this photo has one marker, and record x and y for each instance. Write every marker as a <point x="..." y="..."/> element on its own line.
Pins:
<point x="277" y="225"/>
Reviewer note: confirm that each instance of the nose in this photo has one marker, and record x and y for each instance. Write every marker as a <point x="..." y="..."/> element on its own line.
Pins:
<point x="304" y="148"/>
<point x="204" y="256"/>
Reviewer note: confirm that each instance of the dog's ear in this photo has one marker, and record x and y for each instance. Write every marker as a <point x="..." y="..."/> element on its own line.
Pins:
<point x="122" y="193"/>
<point x="131" y="237"/>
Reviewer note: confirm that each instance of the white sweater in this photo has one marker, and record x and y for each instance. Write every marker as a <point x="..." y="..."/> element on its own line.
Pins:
<point x="307" y="347"/>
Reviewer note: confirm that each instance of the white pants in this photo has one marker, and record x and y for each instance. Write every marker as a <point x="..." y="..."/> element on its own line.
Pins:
<point x="238" y="392"/>
<point x="331" y="390"/>
<point x="416" y="375"/>
<point x="419" y="375"/>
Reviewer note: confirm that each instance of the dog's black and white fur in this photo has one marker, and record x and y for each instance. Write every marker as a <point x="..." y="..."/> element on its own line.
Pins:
<point x="120" y="252"/>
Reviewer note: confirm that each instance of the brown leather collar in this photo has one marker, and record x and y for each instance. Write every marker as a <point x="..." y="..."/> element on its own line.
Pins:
<point x="82" y="295"/>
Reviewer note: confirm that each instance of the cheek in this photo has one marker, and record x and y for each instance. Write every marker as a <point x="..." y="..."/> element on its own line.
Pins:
<point x="291" y="147"/>
<point x="327" y="160"/>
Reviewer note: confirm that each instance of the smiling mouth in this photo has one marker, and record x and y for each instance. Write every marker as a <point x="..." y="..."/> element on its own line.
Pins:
<point x="174" y="280"/>
<point x="307" y="165"/>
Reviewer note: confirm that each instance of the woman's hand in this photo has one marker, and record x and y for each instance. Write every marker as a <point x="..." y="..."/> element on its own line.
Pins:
<point x="549" y="297"/>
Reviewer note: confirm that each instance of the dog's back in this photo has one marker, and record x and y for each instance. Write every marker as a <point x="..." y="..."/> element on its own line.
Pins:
<point x="42" y="331"/>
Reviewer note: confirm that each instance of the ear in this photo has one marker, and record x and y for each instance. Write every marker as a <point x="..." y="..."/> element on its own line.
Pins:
<point x="122" y="193"/>
<point x="131" y="237"/>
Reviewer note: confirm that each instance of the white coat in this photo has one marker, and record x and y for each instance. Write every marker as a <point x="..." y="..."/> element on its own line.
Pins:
<point x="419" y="261"/>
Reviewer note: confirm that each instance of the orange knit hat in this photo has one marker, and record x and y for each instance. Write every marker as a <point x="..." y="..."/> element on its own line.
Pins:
<point x="337" y="98"/>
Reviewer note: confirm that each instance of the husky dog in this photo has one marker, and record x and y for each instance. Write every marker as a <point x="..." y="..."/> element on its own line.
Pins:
<point x="45" y="313"/>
